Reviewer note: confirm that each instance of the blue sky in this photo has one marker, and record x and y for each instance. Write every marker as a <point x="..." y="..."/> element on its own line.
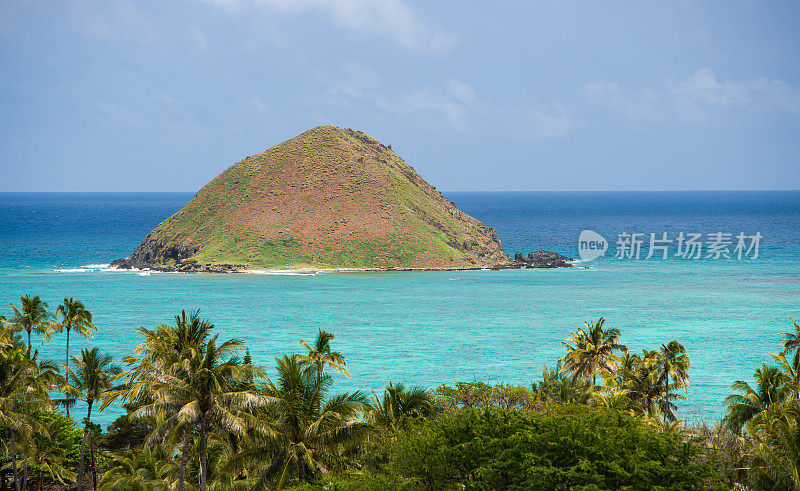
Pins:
<point x="507" y="95"/>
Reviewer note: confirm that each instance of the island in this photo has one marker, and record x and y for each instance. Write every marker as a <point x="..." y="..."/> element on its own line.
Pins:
<point x="328" y="199"/>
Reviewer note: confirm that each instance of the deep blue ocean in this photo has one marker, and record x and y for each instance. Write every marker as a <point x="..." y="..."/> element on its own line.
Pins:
<point x="430" y="328"/>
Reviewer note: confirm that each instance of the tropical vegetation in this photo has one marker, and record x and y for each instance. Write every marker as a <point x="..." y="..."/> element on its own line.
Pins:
<point x="200" y="414"/>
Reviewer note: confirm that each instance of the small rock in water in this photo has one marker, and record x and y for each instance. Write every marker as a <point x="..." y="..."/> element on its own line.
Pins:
<point x="543" y="259"/>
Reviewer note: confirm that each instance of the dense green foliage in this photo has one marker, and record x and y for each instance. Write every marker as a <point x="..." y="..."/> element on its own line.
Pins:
<point x="199" y="416"/>
<point x="566" y="447"/>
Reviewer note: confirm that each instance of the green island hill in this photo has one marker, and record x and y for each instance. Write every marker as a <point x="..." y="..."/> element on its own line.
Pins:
<point x="330" y="198"/>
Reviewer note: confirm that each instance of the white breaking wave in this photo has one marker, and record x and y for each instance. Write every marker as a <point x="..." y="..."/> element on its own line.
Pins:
<point x="280" y="273"/>
<point x="96" y="268"/>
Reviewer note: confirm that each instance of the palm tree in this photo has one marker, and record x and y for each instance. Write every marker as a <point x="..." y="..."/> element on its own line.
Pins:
<point x="321" y="355"/>
<point x="398" y="404"/>
<point x="32" y="316"/>
<point x="771" y="388"/>
<point x="308" y="426"/>
<point x="49" y="454"/>
<point x="672" y="361"/>
<point x="203" y="392"/>
<point x="615" y="398"/>
<point x="641" y="376"/>
<point x="791" y="343"/>
<point x="148" y="469"/>
<point x="223" y="446"/>
<point x="591" y="351"/>
<point x="91" y="380"/>
<point x="777" y="447"/>
<point x="74" y="315"/>
<point x="786" y="367"/>
<point x="24" y="385"/>
<point x="557" y="386"/>
<point x="162" y="348"/>
<point x="6" y="335"/>
<point x="167" y="344"/>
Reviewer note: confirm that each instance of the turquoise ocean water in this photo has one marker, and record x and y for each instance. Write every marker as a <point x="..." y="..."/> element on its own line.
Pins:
<point x="430" y="328"/>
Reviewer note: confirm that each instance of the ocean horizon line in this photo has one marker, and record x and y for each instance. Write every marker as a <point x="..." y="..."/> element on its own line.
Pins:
<point x="486" y="191"/>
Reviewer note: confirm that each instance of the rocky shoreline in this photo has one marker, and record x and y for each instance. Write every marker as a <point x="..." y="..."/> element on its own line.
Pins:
<point x="541" y="259"/>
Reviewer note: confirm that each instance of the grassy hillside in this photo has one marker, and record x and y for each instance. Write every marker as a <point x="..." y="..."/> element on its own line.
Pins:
<point x="330" y="197"/>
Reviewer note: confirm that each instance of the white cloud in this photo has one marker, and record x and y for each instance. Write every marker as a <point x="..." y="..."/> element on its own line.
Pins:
<point x="462" y="91"/>
<point x="114" y="21"/>
<point x="702" y="86"/>
<point x="259" y="105"/>
<point x="695" y="97"/>
<point x="356" y="83"/>
<point x="641" y="104"/>
<point x="198" y="38"/>
<point x="154" y="109"/>
<point x="540" y="121"/>
<point x="453" y="105"/>
<point x="392" y="18"/>
<point x="450" y="104"/>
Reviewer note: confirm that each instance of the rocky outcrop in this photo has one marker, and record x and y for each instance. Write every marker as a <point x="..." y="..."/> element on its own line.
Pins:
<point x="187" y="266"/>
<point x="543" y="259"/>
<point x="537" y="259"/>
<point x="120" y="264"/>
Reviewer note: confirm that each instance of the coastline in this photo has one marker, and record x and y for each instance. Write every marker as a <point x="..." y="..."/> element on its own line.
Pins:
<point x="304" y="270"/>
<point x="314" y="271"/>
<point x="541" y="259"/>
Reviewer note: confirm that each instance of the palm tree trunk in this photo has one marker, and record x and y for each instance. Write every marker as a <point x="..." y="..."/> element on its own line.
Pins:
<point x="83" y="444"/>
<point x="666" y="397"/>
<point x="94" y="469"/>
<point x="66" y="364"/>
<point x="14" y="462"/>
<point x="25" y="474"/>
<point x="203" y="456"/>
<point x="184" y="459"/>
<point x="41" y="479"/>
<point x="301" y="468"/>
<point x="29" y="342"/>
<point x="796" y="375"/>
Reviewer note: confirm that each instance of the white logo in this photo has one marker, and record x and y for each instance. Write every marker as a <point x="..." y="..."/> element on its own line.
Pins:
<point x="591" y="245"/>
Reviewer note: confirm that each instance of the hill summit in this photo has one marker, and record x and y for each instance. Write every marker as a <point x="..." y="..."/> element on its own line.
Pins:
<point x="328" y="198"/>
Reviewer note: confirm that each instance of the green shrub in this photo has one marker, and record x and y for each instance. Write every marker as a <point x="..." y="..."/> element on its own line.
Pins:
<point x="365" y="482"/>
<point x="126" y="433"/>
<point x="569" y="447"/>
<point x="481" y="395"/>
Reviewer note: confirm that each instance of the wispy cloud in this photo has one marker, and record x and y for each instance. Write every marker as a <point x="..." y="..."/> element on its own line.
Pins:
<point x="448" y="104"/>
<point x="155" y="109"/>
<point x="635" y="104"/>
<point x="114" y="21"/>
<point x="542" y="120"/>
<point x="391" y="18"/>
<point x="452" y="105"/>
<point x="703" y="87"/>
<point x="257" y="103"/>
<point x="694" y="97"/>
